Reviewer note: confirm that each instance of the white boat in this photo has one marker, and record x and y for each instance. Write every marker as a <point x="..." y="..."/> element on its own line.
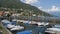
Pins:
<point x="44" y="24"/>
<point x="5" y="21"/>
<point x="55" y="29"/>
<point x="10" y="26"/>
<point x="17" y="28"/>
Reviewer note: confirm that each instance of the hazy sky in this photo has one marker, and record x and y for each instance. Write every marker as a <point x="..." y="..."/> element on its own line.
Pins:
<point x="45" y="5"/>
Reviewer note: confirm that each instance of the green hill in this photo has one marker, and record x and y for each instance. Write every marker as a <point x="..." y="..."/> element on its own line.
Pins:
<point x="27" y="9"/>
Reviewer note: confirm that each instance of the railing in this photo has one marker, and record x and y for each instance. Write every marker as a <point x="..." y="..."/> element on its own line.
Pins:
<point x="33" y="18"/>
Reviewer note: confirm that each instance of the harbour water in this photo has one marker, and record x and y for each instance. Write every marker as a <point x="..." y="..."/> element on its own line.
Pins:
<point x="34" y="28"/>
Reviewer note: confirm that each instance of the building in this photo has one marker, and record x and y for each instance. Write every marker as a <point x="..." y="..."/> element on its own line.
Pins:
<point x="1" y="13"/>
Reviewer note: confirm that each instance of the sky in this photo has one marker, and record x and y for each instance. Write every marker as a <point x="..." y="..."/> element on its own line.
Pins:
<point x="45" y="5"/>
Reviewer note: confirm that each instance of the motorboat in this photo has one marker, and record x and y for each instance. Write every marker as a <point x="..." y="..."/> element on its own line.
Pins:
<point x="44" y="24"/>
<point x="10" y="26"/>
<point x="17" y="28"/>
<point x="55" y="29"/>
<point x="5" y="21"/>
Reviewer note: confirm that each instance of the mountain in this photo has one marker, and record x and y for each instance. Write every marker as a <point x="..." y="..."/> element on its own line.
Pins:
<point x="57" y="13"/>
<point x="17" y="4"/>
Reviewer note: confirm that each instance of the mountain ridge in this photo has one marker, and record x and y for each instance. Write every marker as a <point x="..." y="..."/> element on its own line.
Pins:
<point x="17" y="4"/>
<point x="57" y="13"/>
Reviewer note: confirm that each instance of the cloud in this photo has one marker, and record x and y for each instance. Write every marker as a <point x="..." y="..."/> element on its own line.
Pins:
<point x="30" y="1"/>
<point x="52" y="9"/>
<point x="40" y="7"/>
<point x="43" y="9"/>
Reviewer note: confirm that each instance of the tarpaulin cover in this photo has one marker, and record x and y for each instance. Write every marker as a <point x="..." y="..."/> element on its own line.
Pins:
<point x="24" y="32"/>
